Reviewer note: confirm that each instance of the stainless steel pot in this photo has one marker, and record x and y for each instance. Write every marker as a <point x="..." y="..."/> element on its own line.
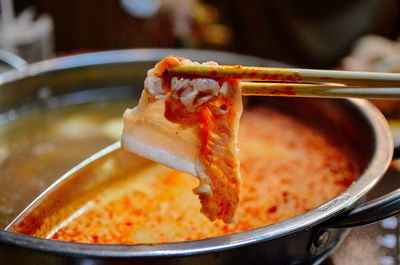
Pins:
<point x="307" y="238"/>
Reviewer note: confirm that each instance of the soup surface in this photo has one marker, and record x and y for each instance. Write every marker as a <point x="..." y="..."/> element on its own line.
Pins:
<point x="39" y="145"/>
<point x="287" y="168"/>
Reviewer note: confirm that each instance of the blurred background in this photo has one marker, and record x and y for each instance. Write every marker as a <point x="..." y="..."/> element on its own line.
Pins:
<point x="311" y="33"/>
<point x="332" y="34"/>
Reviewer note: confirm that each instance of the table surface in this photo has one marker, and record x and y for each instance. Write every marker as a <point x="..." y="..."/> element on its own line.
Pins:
<point x="378" y="243"/>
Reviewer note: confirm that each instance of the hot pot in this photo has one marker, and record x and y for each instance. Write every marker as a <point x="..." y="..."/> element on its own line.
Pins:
<point x="303" y="239"/>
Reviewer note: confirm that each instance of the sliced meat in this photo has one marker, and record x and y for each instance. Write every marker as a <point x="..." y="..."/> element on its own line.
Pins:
<point x="191" y="124"/>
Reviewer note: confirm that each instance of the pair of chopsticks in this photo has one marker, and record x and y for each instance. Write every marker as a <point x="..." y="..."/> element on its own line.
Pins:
<point x="266" y="81"/>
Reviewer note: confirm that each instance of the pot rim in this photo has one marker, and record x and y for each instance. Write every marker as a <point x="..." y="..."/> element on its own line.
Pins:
<point x="378" y="164"/>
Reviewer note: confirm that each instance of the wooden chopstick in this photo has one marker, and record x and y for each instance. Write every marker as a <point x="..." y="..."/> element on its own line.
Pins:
<point x="288" y="74"/>
<point x="318" y="90"/>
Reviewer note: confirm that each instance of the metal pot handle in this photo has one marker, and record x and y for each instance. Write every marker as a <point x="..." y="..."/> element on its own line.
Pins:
<point x="372" y="211"/>
<point x="12" y="60"/>
<point x="369" y="212"/>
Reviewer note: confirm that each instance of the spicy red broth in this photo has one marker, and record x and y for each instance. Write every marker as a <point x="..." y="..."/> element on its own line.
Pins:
<point x="287" y="168"/>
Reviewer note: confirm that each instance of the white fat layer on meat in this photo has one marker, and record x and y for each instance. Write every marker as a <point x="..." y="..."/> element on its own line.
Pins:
<point x="158" y="139"/>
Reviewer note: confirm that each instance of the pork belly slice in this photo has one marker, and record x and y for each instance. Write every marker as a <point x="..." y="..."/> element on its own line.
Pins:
<point x="191" y="124"/>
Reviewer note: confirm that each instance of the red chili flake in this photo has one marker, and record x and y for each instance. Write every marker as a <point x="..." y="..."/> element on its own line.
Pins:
<point x="274" y="77"/>
<point x="252" y="74"/>
<point x="290" y="78"/>
<point x="265" y="77"/>
<point x="272" y="209"/>
<point x="289" y="91"/>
